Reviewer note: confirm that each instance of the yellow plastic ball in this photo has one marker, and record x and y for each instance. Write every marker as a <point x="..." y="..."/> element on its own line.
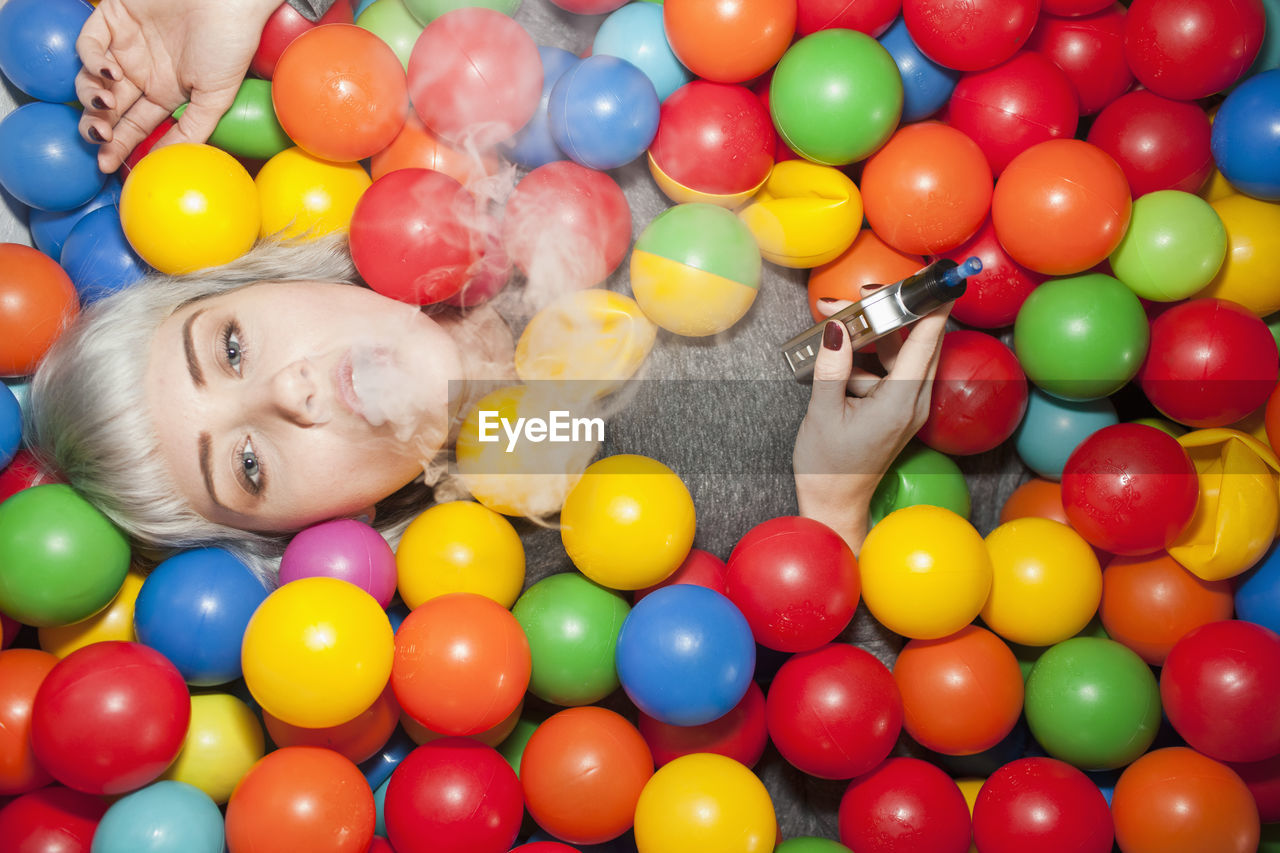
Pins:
<point x="185" y="207"/>
<point x="317" y="652"/>
<point x="970" y="788"/>
<point x="304" y="195"/>
<point x="223" y="741"/>
<point x="460" y="546"/>
<point x="1250" y="275"/>
<point x="805" y="214"/>
<point x="629" y="522"/>
<point x="1216" y="187"/>
<point x="703" y="802"/>
<point x="113" y="623"/>
<point x="925" y="572"/>
<point x="589" y="336"/>
<point x="1046" y="583"/>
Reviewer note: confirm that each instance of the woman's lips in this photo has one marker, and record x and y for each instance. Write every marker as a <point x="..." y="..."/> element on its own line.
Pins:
<point x="344" y="384"/>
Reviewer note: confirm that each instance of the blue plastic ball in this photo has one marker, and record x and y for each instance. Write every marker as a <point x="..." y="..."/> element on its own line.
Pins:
<point x="193" y="608"/>
<point x="685" y="655"/>
<point x="380" y="807"/>
<point x="603" y="112"/>
<point x="38" y="46"/>
<point x="49" y="228"/>
<point x="1246" y="136"/>
<point x="377" y="770"/>
<point x="165" y="817"/>
<point x="926" y="85"/>
<point x="98" y="256"/>
<point x="635" y="33"/>
<point x="1258" y="592"/>
<point x="43" y="161"/>
<point x="533" y="146"/>
<point x="1053" y="427"/>
<point x="10" y="425"/>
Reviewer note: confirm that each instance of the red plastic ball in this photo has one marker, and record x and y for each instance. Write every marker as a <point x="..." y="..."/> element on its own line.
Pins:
<point x="740" y="734"/>
<point x="730" y="41"/>
<point x="992" y="297"/>
<point x="979" y="395"/>
<point x="453" y="795"/>
<point x="358" y="739"/>
<point x="589" y="7"/>
<point x="1220" y="687"/>
<point x="1073" y="7"/>
<point x="21" y="673"/>
<point x="51" y="820"/>
<point x="1210" y="363"/>
<point x="872" y="17"/>
<point x="969" y="35"/>
<point x="411" y="236"/>
<point x="1009" y="108"/>
<point x="1090" y="50"/>
<point x="544" y="847"/>
<point x="1189" y="49"/>
<point x="1176" y="800"/>
<point x="1041" y="804"/>
<point x="475" y="76"/>
<point x="110" y="717"/>
<point x="340" y="93"/>
<point x="1129" y="489"/>
<point x="301" y="798"/>
<point x="22" y="472"/>
<point x="286" y="24"/>
<point x="834" y="712"/>
<point x="904" y="806"/>
<point x="699" y="568"/>
<point x="566" y="227"/>
<point x="37" y="300"/>
<point x="1160" y="144"/>
<point x="796" y="580"/>
<point x="1263" y="781"/>
<point x="714" y="138"/>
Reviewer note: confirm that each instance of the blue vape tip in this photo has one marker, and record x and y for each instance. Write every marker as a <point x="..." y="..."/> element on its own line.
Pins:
<point x="956" y="276"/>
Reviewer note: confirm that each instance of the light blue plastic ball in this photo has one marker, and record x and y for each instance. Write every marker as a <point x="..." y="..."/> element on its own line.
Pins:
<point x="1053" y="427"/>
<point x="166" y="817"/>
<point x="636" y="33"/>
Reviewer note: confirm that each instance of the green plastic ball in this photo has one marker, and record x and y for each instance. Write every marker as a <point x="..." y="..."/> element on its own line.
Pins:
<point x="392" y="22"/>
<point x="1174" y="247"/>
<point x="705" y="237"/>
<point x="836" y="96"/>
<point x="572" y="625"/>
<point x="1093" y="703"/>
<point x="1164" y="425"/>
<point x="427" y="11"/>
<point x="61" y="560"/>
<point x="249" y="127"/>
<point x="809" y="844"/>
<point x="921" y="475"/>
<point x="512" y="746"/>
<point x="1082" y="337"/>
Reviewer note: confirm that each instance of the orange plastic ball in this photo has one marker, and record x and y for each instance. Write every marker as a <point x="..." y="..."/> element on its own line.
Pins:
<point x="868" y="261"/>
<point x="1149" y="602"/>
<point x="1176" y="800"/>
<point x="1061" y="207"/>
<point x="416" y="147"/>
<point x="582" y="773"/>
<point x="961" y="694"/>
<point x="37" y="299"/>
<point x="1036" y="498"/>
<point x="21" y="672"/>
<point x="729" y="41"/>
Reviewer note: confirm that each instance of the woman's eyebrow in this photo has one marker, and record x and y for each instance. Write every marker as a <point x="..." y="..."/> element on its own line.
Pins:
<point x="206" y="446"/>
<point x="189" y="348"/>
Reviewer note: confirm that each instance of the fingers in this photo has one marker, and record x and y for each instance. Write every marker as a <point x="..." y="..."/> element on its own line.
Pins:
<point x="828" y="306"/>
<point x="92" y="47"/>
<point x="831" y="371"/>
<point x="133" y="127"/>
<point x="916" y="363"/>
<point x="198" y="120"/>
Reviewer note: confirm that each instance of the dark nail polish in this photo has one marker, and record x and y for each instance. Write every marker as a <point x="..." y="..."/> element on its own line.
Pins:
<point x="827" y="299"/>
<point x="832" y="338"/>
<point x="98" y="103"/>
<point x="107" y="73"/>
<point x="95" y="135"/>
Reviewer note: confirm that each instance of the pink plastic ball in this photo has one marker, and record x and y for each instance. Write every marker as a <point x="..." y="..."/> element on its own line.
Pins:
<point x="345" y="549"/>
<point x="969" y="35"/>
<point x="1189" y="49"/>
<point x="904" y="806"/>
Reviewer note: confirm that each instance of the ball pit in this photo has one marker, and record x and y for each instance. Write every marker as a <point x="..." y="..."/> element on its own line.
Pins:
<point x="173" y="812"/>
<point x="285" y="25"/>
<point x="37" y="47"/>
<point x="740" y="734"/>
<point x="303" y="195"/>
<point x="872" y="18"/>
<point x="1052" y="428"/>
<point x="98" y="257"/>
<point x="53" y="818"/>
<point x="1247" y="275"/>
<point x="904" y="804"/>
<point x="532" y="145"/>
<point x="1257" y="591"/>
<point x="38" y="298"/>
<point x="867" y="261"/>
<point x="224" y="740"/>
<point x="921" y="475"/>
<point x="49" y="228"/>
<point x="700" y="567"/>
<point x="346" y="549"/>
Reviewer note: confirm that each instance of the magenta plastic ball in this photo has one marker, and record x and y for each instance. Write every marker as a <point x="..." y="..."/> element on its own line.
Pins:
<point x="345" y="549"/>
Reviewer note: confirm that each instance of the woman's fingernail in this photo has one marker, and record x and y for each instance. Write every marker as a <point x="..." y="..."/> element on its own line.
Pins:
<point x="832" y="338"/>
<point x="108" y="74"/>
<point x="827" y="299"/>
<point x="95" y="135"/>
<point x="98" y="103"/>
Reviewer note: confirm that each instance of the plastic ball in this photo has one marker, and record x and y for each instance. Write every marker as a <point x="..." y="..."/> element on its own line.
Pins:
<point x="805" y="215"/>
<point x="1175" y="800"/>
<point x="453" y="796"/>
<point x="970" y="35"/>
<point x="1160" y="144"/>
<point x="993" y="297"/>
<point x="10" y="426"/>
<point x="872" y="18"/>
<point x="38" y="299"/>
<point x="1257" y="593"/>
<point x="867" y="261"/>
<point x="595" y="338"/>
<point x="1219" y="685"/>
<point x="532" y="145"/>
<point x="193" y="608"/>
<point x="1244" y="128"/>
<point x="1081" y="338"/>
<point x="394" y="24"/>
<point x="1090" y="49"/>
<point x="1211" y="362"/>
<point x="834" y="712"/>
<point x="286" y="24"/>
<point x="1248" y="274"/>
<point x="928" y="189"/>
<point x="572" y="627"/>
<point x="249" y="128"/>
<point x="45" y="163"/>
<point x="740" y="734"/>
<point x="1093" y="703"/>
<point x="52" y="819"/>
<point x="566" y="226"/>
<point x="109" y="717"/>
<point x="836" y="96"/>
<point x="1193" y="48"/>
<point x="427" y="11"/>
<point x="317" y="652"/>
<point x="904" y="805"/>
<point x="1041" y="804"/>
<point x="223" y="742"/>
<point x="926" y="85"/>
<point x="98" y="257"/>
<point x="345" y="549"/>
<point x="37" y="47"/>
<point x="729" y="42"/>
<point x="921" y="475"/>
<point x="979" y="395"/>
<point x="1263" y="781"/>
<point x="704" y="802"/>
<point x="635" y="33"/>
<point x="1175" y="246"/>
<point x="474" y="76"/>
<point x="925" y="572"/>
<point x="700" y="568"/>
<point x="49" y="228"/>
<point x="585" y="755"/>
<point x="163" y="814"/>
<point x="301" y="796"/>
<point x="21" y="673"/>
<point x="358" y="739"/>
<point x="685" y="655"/>
<point x="459" y="546"/>
<point x="603" y="112"/>
<point x="416" y="147"/>
<point x="695" y="269"/>
<point x="302" y="195"/>
<point x="628" y="523"/>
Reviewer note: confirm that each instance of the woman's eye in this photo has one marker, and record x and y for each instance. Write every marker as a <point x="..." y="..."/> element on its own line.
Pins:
<point x="231" y="347"/>
<point x="252" y="467"/>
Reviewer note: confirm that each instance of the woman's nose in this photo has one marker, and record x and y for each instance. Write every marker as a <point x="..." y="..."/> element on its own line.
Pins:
<point x="295" y="394"/>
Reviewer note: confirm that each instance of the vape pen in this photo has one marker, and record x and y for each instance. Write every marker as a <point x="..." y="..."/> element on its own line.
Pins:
<point x="889" y="308"/>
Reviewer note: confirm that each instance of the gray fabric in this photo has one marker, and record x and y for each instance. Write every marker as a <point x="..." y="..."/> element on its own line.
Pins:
<point x="312" y="10"/>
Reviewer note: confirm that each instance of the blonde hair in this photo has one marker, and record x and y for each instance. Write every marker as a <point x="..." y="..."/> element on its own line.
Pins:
<point x="88" y="418"/>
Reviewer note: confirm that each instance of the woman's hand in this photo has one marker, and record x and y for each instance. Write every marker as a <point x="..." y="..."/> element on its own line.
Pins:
<point x="144" y="58"/>
<point x="858" y="422"/>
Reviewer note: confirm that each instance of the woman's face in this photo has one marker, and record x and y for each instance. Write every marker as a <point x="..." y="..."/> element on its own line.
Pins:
<point x="269" y="405"/>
